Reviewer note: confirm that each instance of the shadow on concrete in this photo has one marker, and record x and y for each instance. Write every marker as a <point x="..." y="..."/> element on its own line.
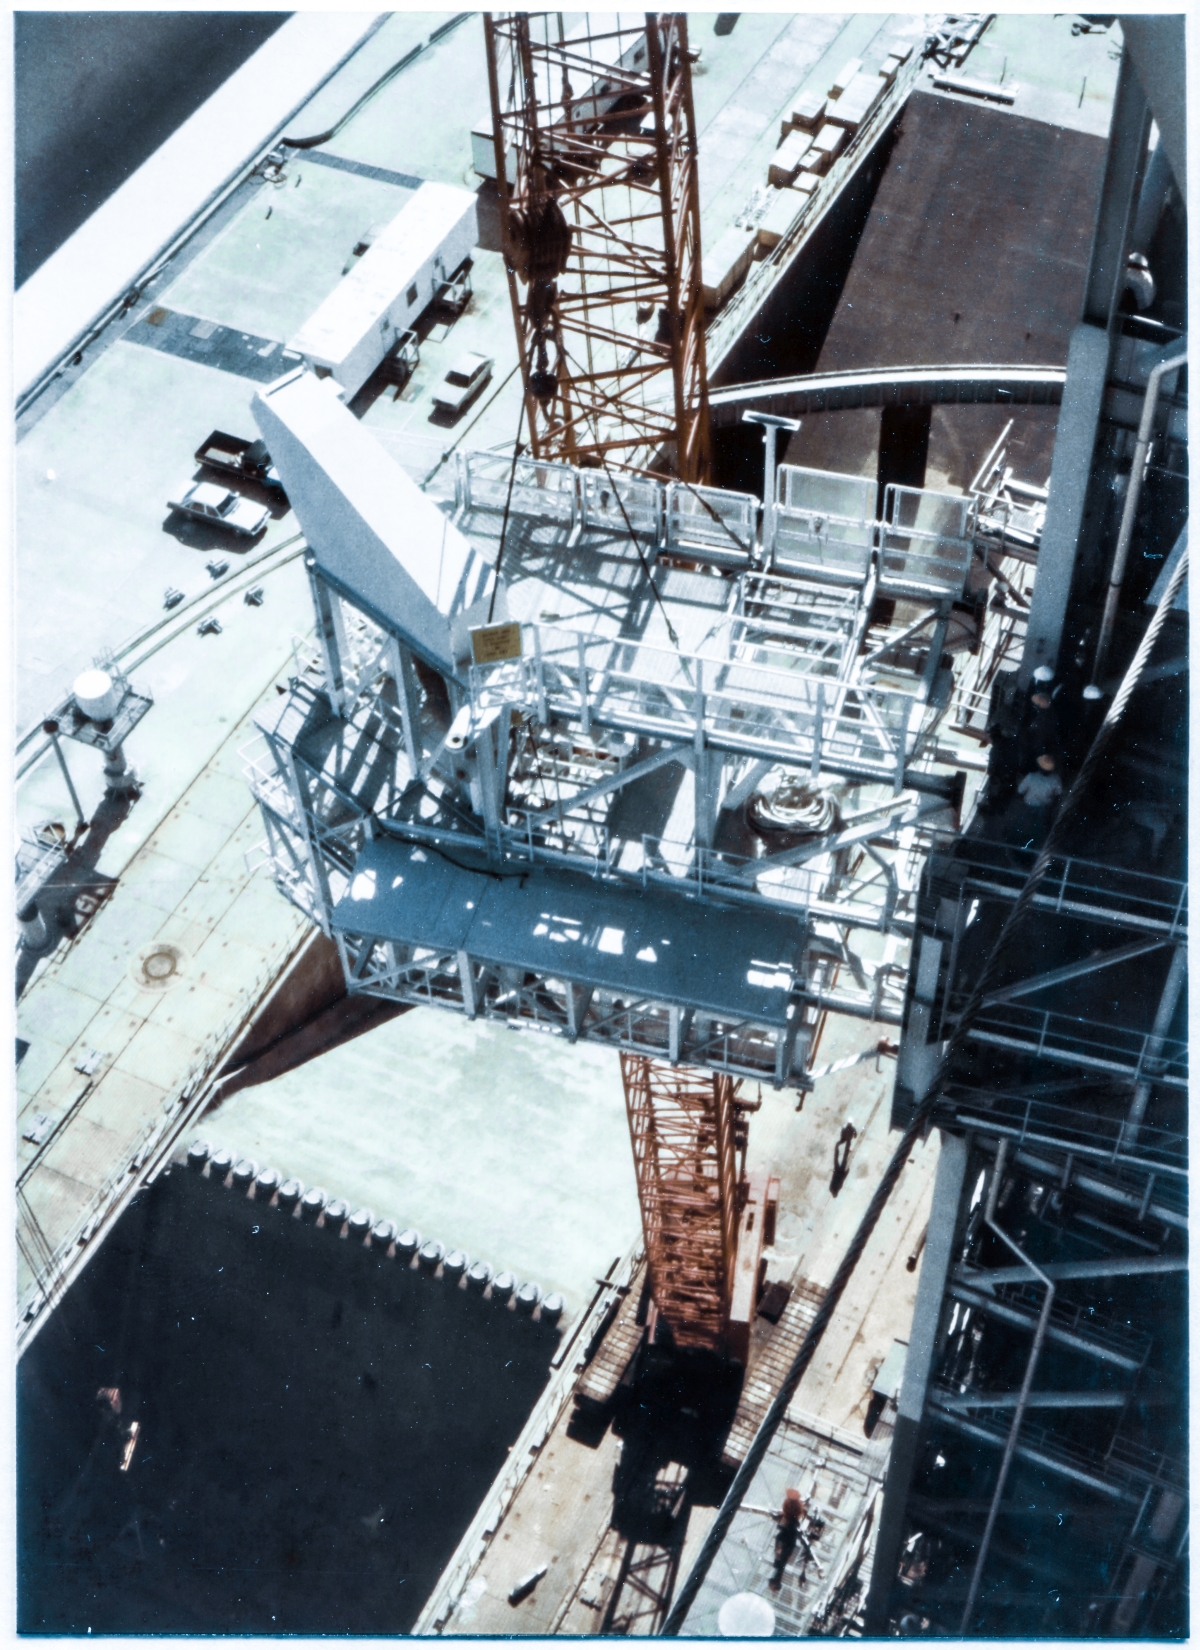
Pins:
<point x="205" y="536"/>
<point x="97" y="93"/>
<point x="77" y="889"/>
<point x="316" y="1426"/>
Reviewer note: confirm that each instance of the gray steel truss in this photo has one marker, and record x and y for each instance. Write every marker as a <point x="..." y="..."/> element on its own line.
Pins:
<point x="671" y="650"/>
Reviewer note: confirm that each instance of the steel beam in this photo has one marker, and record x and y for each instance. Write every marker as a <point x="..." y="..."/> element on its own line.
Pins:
<point x="962" y="1403"/>
<point x="1095" y="1187"/>
<point x="1020" y="1318"/>
<point x="1112" y="1266"/>
<point x="918" y="1366"/>
<point x="1168" y="1003"/>
<point x="1128" y="132"/>
<point x="331" y="636"/>
<point x="746" y="786"/>
<point x="1040" y="1458"/>
<point x="1070" y="475"/>
<point x="618" y="781"/>
<point x="1071" y="971"/>
<point x="879" y="823"/>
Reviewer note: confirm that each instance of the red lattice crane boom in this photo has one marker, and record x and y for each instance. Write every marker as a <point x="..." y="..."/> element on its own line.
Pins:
<point x="704" y="1222"/>
<point x="595" y="148"/>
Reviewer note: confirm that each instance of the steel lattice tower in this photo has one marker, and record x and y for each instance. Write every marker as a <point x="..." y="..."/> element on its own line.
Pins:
<point x="684" y="1127"/>
<point x="595" y="142"/>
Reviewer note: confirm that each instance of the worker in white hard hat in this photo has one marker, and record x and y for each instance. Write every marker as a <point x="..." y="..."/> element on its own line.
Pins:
<point x="1039" y="726"/>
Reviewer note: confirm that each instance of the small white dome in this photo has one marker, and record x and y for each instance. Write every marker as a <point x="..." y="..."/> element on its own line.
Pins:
<point x="96" y="694"/>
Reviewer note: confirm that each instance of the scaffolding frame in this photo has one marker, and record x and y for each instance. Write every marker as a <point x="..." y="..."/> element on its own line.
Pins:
<point x="544" y="763"/>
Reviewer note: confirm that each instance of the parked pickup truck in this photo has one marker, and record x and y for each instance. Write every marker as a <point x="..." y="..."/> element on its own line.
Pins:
<point x="234" y="455"/>
<point x="205" y="501"/>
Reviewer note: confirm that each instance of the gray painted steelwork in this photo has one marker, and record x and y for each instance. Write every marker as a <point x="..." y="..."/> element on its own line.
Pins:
<point x="512" y="852"/>
<point x="944" y="1229"/>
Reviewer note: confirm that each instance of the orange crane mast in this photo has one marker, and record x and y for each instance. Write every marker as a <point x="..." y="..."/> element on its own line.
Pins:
<point x="596" y="172"/>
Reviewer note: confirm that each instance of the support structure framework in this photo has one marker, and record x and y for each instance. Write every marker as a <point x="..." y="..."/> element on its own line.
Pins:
<point x="682" y="811"/>
<point x="1047" y="1363"/>
<point x="601" y="233"/>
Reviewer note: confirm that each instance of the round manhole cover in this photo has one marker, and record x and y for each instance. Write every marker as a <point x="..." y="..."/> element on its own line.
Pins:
<point x="158" y="966"/>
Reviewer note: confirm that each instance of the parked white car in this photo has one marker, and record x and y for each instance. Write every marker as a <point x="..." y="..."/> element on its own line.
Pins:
<point x="205" y="501"/>
<point x="463" y="382"/>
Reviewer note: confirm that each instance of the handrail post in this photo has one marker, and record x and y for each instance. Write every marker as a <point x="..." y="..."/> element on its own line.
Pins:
<point x="541" y="673"/>
<point x="586" y="717"/>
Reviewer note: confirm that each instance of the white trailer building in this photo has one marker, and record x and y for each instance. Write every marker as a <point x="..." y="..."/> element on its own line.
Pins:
<point x="349" y="334"/>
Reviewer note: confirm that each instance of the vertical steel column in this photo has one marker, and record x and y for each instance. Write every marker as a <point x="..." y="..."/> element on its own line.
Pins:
<point x="51" y="728"/>
<point x="1087" y="373"/>
<point x="1035" y="1352"/>
<point x="1123" y="171"/>
<point x="485" y="773"/>
<point x="1167" y="1005"/>
<point x="1137" y="474"/>
<point x="771" y="424"/>
<point x="408" y="694"/>
<point x="331" y="636"/>
<point x="285" y="759"/>
<point x="945" y="1218"/>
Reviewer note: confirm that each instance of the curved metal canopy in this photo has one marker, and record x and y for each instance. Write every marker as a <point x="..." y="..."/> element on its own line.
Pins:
<point x="890" y="387"/>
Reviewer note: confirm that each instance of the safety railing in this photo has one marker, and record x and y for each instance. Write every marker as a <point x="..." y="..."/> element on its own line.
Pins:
<point x="925" y="544"/>
<point x="1091" y="1044"/>
<point x="787" y="716"/>
<point x="616" y="503"/>
<point x="711" y="521"/>
<point x="538" y="489"/>
<point x="1086" y="1130"/>
<point x="1047" y="1448"/>
<point x="538" y="837"/>
<point x="1000" y="645"/>
<point x="971" y="867"/>
<point x="822" y="523"/>
<point x="813" y="624"/>
<point x="834" y="548"/>
<point x="1138" y="1462"/>
<point x="1101" y="1328"/>
<point x="38" y="859"/>
<point x="826" y="493"/>
<point x="267" y="784"/>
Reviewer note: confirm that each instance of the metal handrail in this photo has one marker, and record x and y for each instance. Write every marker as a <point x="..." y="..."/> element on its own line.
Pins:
<point x="1073" y="885"/>
<point x="527" y="836"/>
<point x="1035" y="1120"/>
<point x="1047" y="1034"/>
<point x="739" y="706"/>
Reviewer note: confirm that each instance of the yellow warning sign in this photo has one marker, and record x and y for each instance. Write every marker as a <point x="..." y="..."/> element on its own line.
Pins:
<point x="491" y="644"/>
